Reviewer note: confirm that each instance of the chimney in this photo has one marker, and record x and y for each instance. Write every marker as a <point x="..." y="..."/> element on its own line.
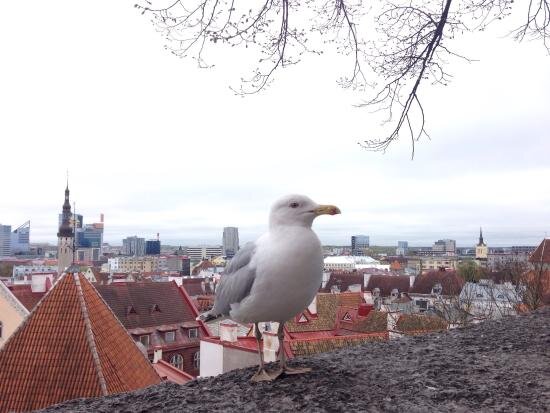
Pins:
<point x="312" y="308"/>
<point x="364" y="309"/>
<point x="366" y="278"/>
<point x="393" y="317"/>
<point x="411" y="280"/>
<point x="38" y="283"/>
<point x="228" y="331"/>
<point x="101" y="218"/>
<point x="157" y="354"/>
<point x="271" y="346"/>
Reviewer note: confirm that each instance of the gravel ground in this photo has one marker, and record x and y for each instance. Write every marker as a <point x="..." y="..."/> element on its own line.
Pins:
<point x="498" y="366"/>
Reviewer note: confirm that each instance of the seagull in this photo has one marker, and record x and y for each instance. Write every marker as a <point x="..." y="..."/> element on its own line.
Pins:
<point x="276" y="277"/>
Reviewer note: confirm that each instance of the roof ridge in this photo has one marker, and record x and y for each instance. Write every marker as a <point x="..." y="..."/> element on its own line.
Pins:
<point x="90" y="335"/>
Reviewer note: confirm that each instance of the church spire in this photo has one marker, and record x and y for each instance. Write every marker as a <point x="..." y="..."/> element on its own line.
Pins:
<point x="480" y="238"/>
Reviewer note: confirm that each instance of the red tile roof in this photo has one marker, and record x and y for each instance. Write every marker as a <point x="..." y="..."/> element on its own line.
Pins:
<point x="386" y="283"/>
<point x="26" y="296"/>
<point x="450" y="281"/>
<point x="343" y="281"/>
<point x="70" y="346"/>
<point x="170" y="373"/>
<point x="142" y="297"/>
<point x="542" y="253"/>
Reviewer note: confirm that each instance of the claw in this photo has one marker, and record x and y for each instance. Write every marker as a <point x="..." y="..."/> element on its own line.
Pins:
<point x="296" y="370"/>
<point x="262" y="375"/>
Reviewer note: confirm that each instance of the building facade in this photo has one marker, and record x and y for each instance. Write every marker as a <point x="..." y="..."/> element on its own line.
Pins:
<point x="204" y="252"/>
<point x="402" y="248"/>
<point x="5" y="240"/>
<point x="230" y="241"/>
<point x="359" y="243"/>
<point x="152" y="247"/>
<point x="133" y="246"/>
<point x="20" y="239"/>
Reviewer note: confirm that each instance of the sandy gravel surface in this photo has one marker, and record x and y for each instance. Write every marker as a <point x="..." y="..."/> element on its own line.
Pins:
<point x="498" y="366"/>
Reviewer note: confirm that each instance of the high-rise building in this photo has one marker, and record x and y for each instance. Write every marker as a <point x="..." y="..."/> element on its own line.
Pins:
<point x="230" y="241"/>
<point x="402" y="248"/>
<point x="5" y="240"/>
<point x="133" y="246"/>
<point x="20" y="239"/>
<point x="444" y="247"/>
<point x="152" y="247"/>
<point x="358" y="244"/>
<point x="65" y="236"/>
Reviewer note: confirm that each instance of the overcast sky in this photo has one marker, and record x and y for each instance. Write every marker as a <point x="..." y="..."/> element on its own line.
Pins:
<point x="158" y="145"/>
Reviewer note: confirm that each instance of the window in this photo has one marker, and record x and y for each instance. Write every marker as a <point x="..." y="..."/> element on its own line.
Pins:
<point x="193" y="333"/>
<point x="144" y="340"/>
<point x="197" y="360"/>
<point x="347" y="317"/>
<point x="177" y="361"/>
<point x="170" y="336"/>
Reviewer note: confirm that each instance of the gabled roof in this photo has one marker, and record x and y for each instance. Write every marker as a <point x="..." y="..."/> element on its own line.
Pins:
<point x="142" y="297"/>
<point x="386" y="283"/>
<point x="542" y="253"/>
<point x="327" y="306"/>
<point x="450" y="281"/>
<point x="70" y="346"/>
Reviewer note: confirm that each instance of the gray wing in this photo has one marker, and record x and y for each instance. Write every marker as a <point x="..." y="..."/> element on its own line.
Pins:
<point x="236" y="281"/>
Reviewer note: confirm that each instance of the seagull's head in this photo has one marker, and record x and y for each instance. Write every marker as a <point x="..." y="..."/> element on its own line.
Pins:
<point x="298" y="210"/>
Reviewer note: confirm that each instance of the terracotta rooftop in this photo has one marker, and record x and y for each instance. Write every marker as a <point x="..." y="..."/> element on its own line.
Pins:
<point x="196" y="286"/>
<point x="26" y="296"/>
<point x="418" y="324"/>
<point x="141" y="304"/>
<point x="542" y="253"/>
<point x="343" y="280"/>
<point x="450" y="281"/>
<point x="168" y="372"/>
<point x="70" y="346"/>
<point x="386" y="283"/>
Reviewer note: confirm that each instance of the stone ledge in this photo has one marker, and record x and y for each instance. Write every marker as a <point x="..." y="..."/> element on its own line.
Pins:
<point x="496" y="366"/>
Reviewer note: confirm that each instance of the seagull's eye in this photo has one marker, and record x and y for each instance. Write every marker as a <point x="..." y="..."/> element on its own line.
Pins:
<point x="294" y="205"/>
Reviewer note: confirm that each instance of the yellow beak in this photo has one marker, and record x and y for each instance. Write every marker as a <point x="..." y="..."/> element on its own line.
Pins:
<point x="327" y="210"/>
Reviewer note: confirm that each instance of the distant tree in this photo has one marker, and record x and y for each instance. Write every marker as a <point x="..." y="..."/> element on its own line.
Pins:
<point x="469" y="270"/>
<point x="406" y="43"/>
<point x="6" y="270"/>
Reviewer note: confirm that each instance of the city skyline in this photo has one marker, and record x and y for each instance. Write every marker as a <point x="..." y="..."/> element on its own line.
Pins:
<point x="166" y="147"/>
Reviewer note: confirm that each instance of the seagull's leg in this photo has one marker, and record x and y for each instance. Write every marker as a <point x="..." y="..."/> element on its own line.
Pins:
<point x="284" y="368"/>
<point x="261" y="374"/>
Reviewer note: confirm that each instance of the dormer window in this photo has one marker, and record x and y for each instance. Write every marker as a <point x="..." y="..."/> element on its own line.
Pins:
<point x="130" y="310"/>
<point x="395" y="293"/>
<point x="302" y="319"/>
<point x="376" y="292"/>
<point x="170" y="336"/>
<point x="155" y="308"/>
<point x="144" y="339"/>
<point x="437" y="289"/>
<point x="347" y="317"/>
<point x="193" y="333"/>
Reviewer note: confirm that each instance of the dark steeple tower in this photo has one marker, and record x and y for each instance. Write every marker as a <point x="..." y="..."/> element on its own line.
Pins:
<point x="65" y="236"/>
<point x="66" y="229"/>
<point x="481" y="243"/>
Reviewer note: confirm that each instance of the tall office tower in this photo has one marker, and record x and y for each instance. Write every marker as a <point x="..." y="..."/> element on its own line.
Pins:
<point x="133" y="246"/>
<point x="5" y="240"/>
<point x="65" y="236"/>
<point x="358" y="244"/>
<point x="444" y="247"/>
<point x="402" y="248"/>
<point x="152" y="247"/>
<point x="20" y="239"/>
<point x="230" y="241"/>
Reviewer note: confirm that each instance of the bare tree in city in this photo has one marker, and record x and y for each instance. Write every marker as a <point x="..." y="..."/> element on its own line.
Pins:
<point x="405" y="44"/>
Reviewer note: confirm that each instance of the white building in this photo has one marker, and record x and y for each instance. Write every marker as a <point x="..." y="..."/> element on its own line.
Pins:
<point x="486" y="300"/>
<point x="350" y="263"/>
<point x="204" y="252"/>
